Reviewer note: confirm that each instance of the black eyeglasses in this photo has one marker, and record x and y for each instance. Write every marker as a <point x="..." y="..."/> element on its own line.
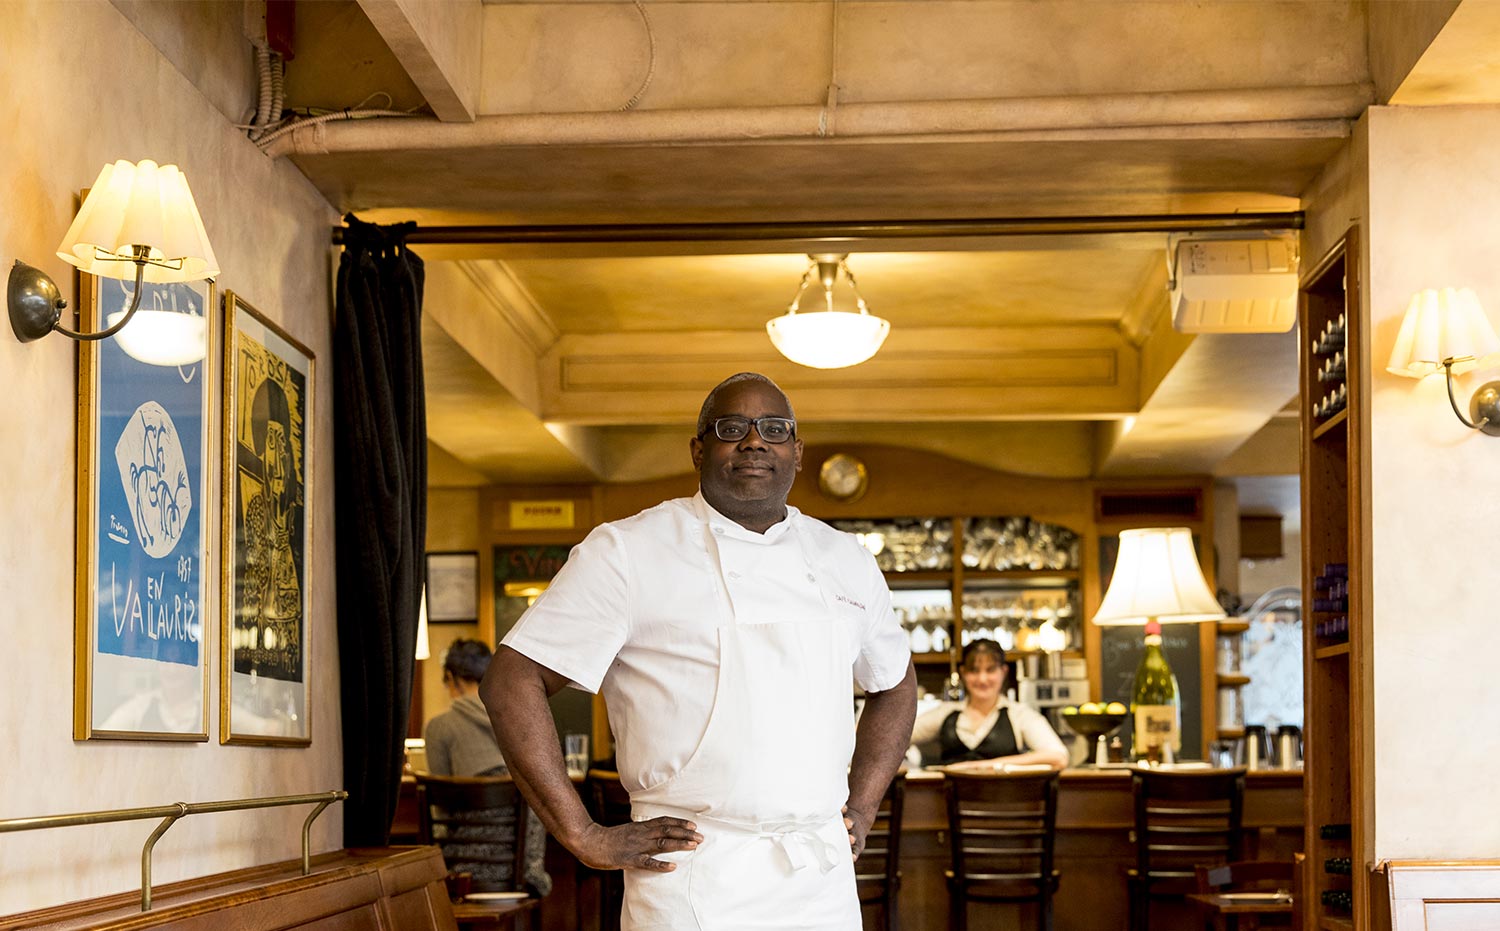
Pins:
<point x="775" y="430"/>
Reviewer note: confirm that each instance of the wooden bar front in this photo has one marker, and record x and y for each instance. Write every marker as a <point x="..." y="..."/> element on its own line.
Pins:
<point x="1094" y="849"/>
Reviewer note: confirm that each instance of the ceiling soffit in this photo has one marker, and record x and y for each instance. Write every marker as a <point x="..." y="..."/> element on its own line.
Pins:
<point x="479" y="423"/>
<point x="917" y="289"/>
<point x="932" y="374"/>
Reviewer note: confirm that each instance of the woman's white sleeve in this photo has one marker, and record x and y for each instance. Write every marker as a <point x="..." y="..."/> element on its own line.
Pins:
<point x="1034" y="731"/>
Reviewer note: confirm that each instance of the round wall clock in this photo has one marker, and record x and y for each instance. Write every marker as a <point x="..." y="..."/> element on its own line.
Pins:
<point x="843" y="478"/>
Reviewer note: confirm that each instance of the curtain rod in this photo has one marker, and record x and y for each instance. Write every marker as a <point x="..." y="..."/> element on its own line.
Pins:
<point x="847" y="231"/>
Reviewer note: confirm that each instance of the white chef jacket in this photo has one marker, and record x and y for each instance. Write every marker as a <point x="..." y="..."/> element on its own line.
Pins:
<point x="634" y="613"/>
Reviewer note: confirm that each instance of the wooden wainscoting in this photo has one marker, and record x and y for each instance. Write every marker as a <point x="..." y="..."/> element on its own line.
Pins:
<point x="384" y="889"/>
<point x="1436" y="895"/>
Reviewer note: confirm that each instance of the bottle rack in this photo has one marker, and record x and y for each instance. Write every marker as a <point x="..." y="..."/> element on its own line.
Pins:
<point x="1338" y="825"/>
<point x="1331" y="348"/>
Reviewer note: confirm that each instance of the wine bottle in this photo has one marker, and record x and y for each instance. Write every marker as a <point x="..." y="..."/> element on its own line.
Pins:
<point x="1155" y="705"/>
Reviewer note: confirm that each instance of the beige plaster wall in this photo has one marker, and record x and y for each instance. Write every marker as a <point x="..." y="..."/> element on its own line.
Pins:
<point x="1433" y="197"/>
<point x="92" y="91"/>
<point x="452" y="524"/>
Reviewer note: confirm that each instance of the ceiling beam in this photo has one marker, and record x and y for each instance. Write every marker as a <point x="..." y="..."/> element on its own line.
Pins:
<point x="848" y="232"/>
<point x="439" y="44"/>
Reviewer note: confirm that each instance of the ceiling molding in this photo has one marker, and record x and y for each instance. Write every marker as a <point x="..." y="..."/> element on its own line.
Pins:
<point x="999" y="373"/>
<point x="1062" y="368"/>
<point x="507" y="295"/>
<point x="1145" y="311"/>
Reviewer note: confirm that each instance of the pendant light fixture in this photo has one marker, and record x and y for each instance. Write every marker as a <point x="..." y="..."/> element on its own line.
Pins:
<point x="828" y="338"/>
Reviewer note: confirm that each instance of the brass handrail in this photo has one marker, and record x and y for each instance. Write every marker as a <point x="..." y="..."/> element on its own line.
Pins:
<point x="171" y="813"/>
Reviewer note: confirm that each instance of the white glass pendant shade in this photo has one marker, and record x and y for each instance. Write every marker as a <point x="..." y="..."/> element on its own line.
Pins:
<point x="1443" y="324"/>
<point x="161" y="337"/>
<point x="142" y="204"/>
<point x="828" y="339"/>
<point x="1157" y="577"/>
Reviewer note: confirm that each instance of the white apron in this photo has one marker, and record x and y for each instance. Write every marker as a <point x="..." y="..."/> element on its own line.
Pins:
<point x="765" y="785"/>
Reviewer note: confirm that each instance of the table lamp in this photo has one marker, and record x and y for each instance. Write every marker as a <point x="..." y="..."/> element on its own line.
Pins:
<point x="1157" y="580"/>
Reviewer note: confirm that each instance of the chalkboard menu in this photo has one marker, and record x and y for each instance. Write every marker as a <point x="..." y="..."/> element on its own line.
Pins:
<point x="1120" y="651"/>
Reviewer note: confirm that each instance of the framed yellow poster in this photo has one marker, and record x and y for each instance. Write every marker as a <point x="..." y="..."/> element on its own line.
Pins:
<point x="265" y="686"/>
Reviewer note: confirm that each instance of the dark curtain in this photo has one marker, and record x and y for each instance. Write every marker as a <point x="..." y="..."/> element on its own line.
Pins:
<point x="380" y="454"/>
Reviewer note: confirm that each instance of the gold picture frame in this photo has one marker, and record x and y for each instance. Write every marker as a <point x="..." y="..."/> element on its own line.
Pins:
<point x="265" y="694"/>
<point x="145" y="448"/>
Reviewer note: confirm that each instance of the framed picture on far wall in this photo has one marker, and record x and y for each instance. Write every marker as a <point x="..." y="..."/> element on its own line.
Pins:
<point x="141" y="665"/>
<point x="452" y="588"/>
<point x="265" y="673"/>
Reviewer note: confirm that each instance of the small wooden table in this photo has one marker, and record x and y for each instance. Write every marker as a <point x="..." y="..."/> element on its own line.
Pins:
<point x="1216" y="905"/>
<point x="486" y="915"/>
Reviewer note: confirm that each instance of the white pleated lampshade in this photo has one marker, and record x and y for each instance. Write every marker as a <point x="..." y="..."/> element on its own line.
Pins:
<point x="1157" y="577"/>
<point x="828" y="339"/>
<point x="1443" y="324"/>
<point x="142" y="204"/>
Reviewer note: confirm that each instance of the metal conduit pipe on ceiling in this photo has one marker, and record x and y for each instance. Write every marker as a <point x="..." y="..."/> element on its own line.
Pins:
<point x="895" y="119"/>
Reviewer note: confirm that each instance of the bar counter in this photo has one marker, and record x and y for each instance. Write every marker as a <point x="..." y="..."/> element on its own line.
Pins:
<point x="1094" y="849"/>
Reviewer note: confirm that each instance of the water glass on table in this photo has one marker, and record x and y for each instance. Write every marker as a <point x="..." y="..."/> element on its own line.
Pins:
<point x="576" y="754"/>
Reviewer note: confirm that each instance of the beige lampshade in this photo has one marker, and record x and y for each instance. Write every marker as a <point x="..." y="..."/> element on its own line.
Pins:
<point x="424" y="648"/>
<point x="1443" y="324"/>
<point x="142" y="204"/>
<point x="1157" y="577"/>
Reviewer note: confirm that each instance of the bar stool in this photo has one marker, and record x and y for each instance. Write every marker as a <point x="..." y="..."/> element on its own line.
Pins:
<point x="611" y="806"/>
<point x="878" y="875"/>
<point x="1183" y="820"/>
<point x="1003" y="831"/>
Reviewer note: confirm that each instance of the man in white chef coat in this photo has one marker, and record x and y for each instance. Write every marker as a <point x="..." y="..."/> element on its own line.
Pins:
<point x="725" y="631"/>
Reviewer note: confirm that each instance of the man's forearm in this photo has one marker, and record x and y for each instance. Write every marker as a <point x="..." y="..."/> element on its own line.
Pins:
<point x="514" y="692"/>
<point x="880" y="742"/>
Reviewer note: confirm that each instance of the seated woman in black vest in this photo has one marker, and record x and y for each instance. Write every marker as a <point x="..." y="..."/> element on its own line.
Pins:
<point x="988" y="728"/>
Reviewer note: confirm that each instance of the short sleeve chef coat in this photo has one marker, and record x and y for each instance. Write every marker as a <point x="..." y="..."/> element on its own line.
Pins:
<point x="635" y="612"/>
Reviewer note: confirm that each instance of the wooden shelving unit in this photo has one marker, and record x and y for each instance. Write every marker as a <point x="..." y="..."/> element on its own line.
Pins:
<point x="960" y="579"/>
<point x="1332" y="537"/>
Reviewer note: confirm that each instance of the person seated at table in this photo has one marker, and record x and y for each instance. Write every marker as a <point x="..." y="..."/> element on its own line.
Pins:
<point x="987" y="729"/>
<point x="461" y="742"/>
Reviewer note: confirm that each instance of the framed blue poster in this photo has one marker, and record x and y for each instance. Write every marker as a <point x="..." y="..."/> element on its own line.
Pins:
<point x="268" y="408"/>
<point x="141" y="663"/>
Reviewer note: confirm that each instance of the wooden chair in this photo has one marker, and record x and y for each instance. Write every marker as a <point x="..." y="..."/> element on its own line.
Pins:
<point x="1244" y="876"/>
<point x="1003" y="831"/>
<point x="611" y="806"/>
<point x="878" y="871"/>
<point x="1183" y="820"/>
<point x="479" y="823"/>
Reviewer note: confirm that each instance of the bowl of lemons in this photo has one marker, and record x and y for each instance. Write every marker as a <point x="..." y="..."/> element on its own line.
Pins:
<point x="1094" y="721"/>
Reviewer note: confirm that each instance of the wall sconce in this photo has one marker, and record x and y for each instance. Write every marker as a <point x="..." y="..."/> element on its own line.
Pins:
<point x="1447" y="330"/>
<point x="140" y="221"/>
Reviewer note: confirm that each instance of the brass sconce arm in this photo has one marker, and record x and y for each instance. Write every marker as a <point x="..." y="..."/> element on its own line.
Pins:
<point x="1484" y="406"/>
<point x="36" y="304"/>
